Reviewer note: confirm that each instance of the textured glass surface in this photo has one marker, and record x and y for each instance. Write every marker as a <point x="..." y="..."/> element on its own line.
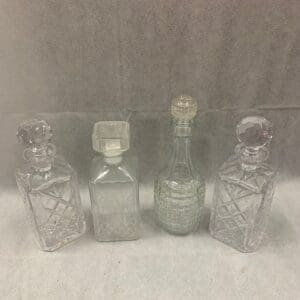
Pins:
<point x="179" y="191"/>
<point x="114" y="196"/>
<point x="49" y="188"/>
<point x="244" y="189"/>
<point x="184" y="107"/>
<point x="178" y="205"/>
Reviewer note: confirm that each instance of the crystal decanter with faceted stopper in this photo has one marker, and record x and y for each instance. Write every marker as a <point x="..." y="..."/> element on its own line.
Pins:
<point x="113" y="184"/>
<point x="179" y="191"/>
<point x="49" y="188"/>
<point x="244" y="188"/>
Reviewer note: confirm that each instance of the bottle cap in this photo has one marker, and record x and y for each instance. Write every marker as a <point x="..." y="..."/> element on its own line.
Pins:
<point x="184" y="107"/>
<point x="254" y="131"/>
<point x="111" y="137"/>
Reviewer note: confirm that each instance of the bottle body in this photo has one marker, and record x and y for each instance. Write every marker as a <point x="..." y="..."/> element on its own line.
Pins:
<point x="114" y="197"/>
<point x="242" y="204"/>
<point x="178" y="205"/>
<point x="53" y="204"/>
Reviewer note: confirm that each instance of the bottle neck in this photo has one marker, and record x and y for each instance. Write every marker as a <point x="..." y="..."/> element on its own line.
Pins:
<point x="182" y="150"/>
<point x="181" y="162"/>
<point x="182" y="128"/>
<point x="251" y="158"/>
<point x="113" y="160"/>
<point x="40" y="158"/>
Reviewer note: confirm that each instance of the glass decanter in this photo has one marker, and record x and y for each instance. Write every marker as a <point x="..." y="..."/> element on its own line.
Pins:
<point x="113" y="184"/>
<point x="179" y="191"/>
<point x="244" y="188"/>
<point x="49" y="188"/>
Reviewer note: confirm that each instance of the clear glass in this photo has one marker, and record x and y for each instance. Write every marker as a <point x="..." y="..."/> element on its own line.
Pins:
<point x="113" y="184"/>
<point x="50" y="189"/>
<point x="114" y="196"/>
<point x="244" y="189"/>
<point x="111" y="137"/>
<point x="179" y="191"/>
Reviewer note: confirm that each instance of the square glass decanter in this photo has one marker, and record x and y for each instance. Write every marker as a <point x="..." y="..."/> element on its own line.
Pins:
<point x="179" y="191"/>
<point x="49" y="187"/>
<point x="244" y="188"/>
<point x="113" y="184"/>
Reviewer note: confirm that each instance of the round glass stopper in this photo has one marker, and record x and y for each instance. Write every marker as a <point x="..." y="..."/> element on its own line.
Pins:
<point x="34" y="132"/>
<point x="184" y="107"/>
<point x="254" y="131"/>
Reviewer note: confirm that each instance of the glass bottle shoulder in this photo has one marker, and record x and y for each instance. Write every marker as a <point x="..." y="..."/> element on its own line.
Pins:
<point x="102" y="172"/>
<point x="61" y="171"/>
<point x="232" y="172"/>
<point x="176" y="182"/>
<point x="180" y="174"/>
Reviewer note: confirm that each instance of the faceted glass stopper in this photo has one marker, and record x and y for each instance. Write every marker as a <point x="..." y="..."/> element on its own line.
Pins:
<point x="254" y="131"/>
<point x="111" y="137"/>
<point x="184" y="107"/>
<point x="34" y="133"/>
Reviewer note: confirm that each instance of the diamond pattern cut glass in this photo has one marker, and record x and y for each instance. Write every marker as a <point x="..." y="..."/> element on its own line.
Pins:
<point x="244" y="189"/>
<point x="49" y="188"/>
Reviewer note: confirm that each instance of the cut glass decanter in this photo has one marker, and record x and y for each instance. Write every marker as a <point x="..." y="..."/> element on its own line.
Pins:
<point x="113" y="184"/>
<point x="244" y="188"/>
<point x="179" y="191"/>
<point x="49" y="188"/>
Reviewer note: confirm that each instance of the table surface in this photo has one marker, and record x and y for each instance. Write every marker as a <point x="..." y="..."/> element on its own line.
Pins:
<point x="158" y="266"/>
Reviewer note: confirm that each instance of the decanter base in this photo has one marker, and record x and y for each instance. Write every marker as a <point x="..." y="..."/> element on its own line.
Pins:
<point x="101" y="240"/>
<point x="178" y="233"/>
<point x="175" y="230"/>
<point x="229" y="242"/>
<point x="64" y="242"/>
<point x="117" y="227"/>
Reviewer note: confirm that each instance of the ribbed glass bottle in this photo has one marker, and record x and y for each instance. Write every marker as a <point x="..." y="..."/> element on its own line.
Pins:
<point x="179" y="191"/>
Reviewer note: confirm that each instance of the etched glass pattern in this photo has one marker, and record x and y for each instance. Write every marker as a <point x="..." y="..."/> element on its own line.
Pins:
<point x="49" y="188"/>
<point x="244" y="189"/>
